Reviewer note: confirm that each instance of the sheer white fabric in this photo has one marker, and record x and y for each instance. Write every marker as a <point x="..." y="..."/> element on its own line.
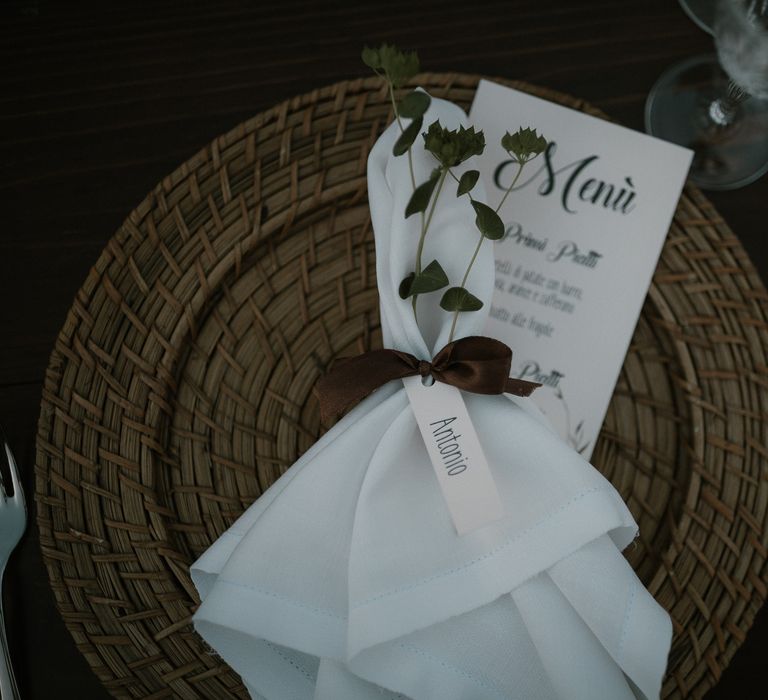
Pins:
<point x="347" y="581"/>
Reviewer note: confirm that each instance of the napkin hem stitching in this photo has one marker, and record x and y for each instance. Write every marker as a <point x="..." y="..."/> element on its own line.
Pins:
<point x="625" y="621"/>
<point x="303" y="671"/>
<point x="456" y="669"/>
<point x="488" y="555"/>
<point x="290" y="601"/>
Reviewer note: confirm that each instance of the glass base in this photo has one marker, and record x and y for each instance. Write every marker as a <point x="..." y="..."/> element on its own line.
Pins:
<point x="677" y="110"/>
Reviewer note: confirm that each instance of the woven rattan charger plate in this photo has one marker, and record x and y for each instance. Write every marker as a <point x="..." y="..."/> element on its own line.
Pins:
<point x="180" y="386"/>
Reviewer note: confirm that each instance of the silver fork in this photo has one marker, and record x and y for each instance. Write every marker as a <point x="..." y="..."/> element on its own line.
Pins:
<point x="13" y="520"/>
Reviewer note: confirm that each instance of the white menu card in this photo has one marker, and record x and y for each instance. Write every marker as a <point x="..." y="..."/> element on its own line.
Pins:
<point x="584" y="227"/>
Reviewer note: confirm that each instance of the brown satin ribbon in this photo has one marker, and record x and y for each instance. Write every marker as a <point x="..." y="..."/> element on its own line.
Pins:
<point x="476" y="364"/>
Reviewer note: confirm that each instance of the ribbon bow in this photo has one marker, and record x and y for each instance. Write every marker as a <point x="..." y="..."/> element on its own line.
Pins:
<point x="476" y="364"/>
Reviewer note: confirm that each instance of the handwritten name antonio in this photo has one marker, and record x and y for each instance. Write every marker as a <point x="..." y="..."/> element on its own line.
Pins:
<point x="573" y="182"/>
<point x="447" y="443"/>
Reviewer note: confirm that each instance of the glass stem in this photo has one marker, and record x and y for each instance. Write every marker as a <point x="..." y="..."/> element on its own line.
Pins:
<point x="723" y="111"/>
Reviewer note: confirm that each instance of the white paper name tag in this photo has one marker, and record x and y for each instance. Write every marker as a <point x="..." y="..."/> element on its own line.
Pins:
<point x="455" y="452"/>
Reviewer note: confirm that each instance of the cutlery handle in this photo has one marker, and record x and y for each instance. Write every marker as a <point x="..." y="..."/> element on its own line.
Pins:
<point x="8" y="689"/>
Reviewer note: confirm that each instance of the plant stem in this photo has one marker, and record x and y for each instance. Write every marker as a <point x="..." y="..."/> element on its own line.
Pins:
<point x="520" y="167"/>
<point x="463" y="282"/>
<point x="479" y="245"/>
<point x="425" y="228"/>
<point x="455" y="178"/>
<point x="400" y="124"/>
<point x="429" y="220"/>
<point x="413" y="183"/>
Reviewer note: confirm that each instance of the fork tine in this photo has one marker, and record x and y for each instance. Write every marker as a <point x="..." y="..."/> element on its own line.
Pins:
<point x="3" y="492"/>
<point x="18" y="493"/>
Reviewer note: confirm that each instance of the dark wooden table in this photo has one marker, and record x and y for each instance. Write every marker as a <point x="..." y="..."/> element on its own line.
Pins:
<point x="100" y="100"/>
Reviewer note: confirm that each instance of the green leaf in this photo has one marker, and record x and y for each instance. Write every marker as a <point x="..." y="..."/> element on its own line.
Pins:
<point x="371" y="58"/>
<point x="419" y="200"/>
<point x="431" y="278"/>
<point x="407" y="137"/>
<point x="467" y="181"/>
<point x="452" y="147"/>
<point x="524" y="144"/>
<point x="459" y="299"/>
<point x="399" y="66"/>
<point x="405" y="286"/>
<point x="414" y="104"/>
<point x="488" y="222"/>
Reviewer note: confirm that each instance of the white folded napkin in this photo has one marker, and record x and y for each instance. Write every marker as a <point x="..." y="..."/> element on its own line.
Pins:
<point x="346" y="580"/>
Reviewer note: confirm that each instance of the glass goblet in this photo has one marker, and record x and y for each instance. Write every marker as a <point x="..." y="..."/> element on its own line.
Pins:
<point x="718" y="106"/>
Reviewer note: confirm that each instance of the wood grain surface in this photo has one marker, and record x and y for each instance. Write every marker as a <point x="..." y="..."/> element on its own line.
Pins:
<point x="100" y="100"/>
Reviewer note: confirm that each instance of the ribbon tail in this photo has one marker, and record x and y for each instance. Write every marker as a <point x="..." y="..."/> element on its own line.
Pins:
<point x="355" y="378"/>
<point x="520" y="387"/>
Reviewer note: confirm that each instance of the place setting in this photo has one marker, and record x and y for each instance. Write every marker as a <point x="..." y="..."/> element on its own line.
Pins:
<point x="421" y="386"/>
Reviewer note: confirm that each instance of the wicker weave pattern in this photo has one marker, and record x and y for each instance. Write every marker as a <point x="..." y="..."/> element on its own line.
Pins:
<point x="180" y="388"/>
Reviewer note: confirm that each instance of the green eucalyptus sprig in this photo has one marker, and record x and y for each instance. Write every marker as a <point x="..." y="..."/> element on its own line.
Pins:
<point x="523" y="146"/>
<point x="396" y="68"/>
<point x="392" y="64"/>
<point x="450" y="148"/>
